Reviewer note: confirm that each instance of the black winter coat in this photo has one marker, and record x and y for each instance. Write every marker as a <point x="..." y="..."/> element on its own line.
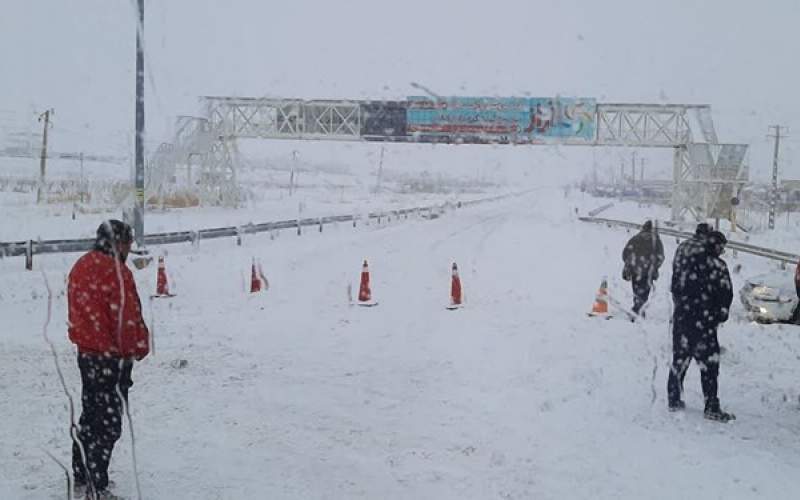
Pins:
<point x="643" y="255"/>
<point x="701" y="286"/>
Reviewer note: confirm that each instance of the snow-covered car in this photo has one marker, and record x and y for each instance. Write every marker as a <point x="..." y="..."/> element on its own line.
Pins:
<point x="770" y="297"/>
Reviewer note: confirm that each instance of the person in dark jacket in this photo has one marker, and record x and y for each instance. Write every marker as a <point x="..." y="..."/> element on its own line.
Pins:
<point x="106" y="325"/>
<point x="797" y="279"/>
<point x="643" y="256"/>
<point x="702" y="294"/>
<point x="692" y="245"/>
<point x="688" y="249"/>
<point x="796" y="314"/>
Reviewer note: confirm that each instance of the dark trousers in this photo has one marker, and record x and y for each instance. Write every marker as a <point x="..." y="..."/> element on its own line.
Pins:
<point x="641" y="291"/>
<point x="100" y="425"/>
<point x="689" y="341"/>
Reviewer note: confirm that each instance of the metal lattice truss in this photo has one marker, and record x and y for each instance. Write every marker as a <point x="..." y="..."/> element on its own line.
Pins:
<point x="198" y="161"/>
<point x="237" y="117"/>
<point x="217" y="179"/>
<point x="205" y="148"/>
<point x="706" y="178"/>
<point x="706" y="175"/>
<point x="651" y="125"/>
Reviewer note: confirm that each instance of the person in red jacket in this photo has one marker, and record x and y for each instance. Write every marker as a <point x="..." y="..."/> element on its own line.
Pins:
<point x="105" y="323"/>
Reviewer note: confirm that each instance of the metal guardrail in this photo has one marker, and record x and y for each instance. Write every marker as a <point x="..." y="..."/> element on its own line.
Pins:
<point x="599" y="210"/>
<point x="32" y="247"/>
<point x="778" y="255"/>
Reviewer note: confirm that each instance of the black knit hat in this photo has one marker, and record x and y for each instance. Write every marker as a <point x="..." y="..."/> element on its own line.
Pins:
<point x="717" y="238"/>
<point x="703" y="229"/>
<point x="716" y="242"/>
<point x="112" y="231"/>
<point x="647" y="226"/>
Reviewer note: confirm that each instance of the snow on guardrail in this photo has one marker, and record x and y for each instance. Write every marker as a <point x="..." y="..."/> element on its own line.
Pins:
<point x="769" y="253"/>
<point x="32" y="247"/>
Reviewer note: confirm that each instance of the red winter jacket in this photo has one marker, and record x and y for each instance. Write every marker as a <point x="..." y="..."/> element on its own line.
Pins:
<point x="93" y="292"/>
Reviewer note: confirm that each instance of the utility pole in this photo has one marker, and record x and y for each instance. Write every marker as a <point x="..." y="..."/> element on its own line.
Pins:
<point x="138" y="209"/>
<point x="82" y="186"/>
<point x="291" y="174"/>
<point x="380" y="172"/>
<point x="773" y="198"/>
<point x="641" y="170"/>
<point x="633" y="168"/>
<point x="43" y="163"/>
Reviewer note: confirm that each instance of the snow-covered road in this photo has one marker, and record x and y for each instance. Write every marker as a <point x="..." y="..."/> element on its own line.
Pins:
<point x="293" y="393"/>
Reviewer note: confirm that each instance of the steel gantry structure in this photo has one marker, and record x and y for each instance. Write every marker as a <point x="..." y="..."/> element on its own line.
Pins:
<point x="706" y="174"/>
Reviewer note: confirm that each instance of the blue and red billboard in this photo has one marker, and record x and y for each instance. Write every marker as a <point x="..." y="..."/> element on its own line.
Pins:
<point x="502" y="119"/>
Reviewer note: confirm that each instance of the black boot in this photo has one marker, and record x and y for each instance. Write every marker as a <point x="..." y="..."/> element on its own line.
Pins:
<point x="676" y="405"/>
<point x="714" y="412"/>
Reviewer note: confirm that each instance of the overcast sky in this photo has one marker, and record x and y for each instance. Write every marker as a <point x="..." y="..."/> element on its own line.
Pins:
<point x="78" y="57"/>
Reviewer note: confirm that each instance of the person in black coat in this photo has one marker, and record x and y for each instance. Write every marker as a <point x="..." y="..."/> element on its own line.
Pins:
<point x="702" y="294"/>
<point x="643" y="256"/>
<point x="688" y="249"/>
<point x="693" y="244"/>
<point x="796" y="315"/>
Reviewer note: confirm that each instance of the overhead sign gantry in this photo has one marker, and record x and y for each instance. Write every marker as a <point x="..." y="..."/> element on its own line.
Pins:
<point x="705" y="172"/>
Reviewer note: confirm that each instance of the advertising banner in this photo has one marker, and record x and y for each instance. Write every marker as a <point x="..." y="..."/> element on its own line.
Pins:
<point x="383" y="119"/>
<point x="502" y="119"/>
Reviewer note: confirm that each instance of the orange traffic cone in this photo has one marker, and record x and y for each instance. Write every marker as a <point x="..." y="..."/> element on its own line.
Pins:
<point x="255" y="280"/>
<point x="455" y="289"/>
<point x="364" y="291"/>
<point x="600" y="307"/>
<point x="162" y="285"/>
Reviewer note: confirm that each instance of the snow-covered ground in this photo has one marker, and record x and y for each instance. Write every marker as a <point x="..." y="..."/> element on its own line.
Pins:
<point x="293" y="393"/>
<point x="318" y="190"/>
